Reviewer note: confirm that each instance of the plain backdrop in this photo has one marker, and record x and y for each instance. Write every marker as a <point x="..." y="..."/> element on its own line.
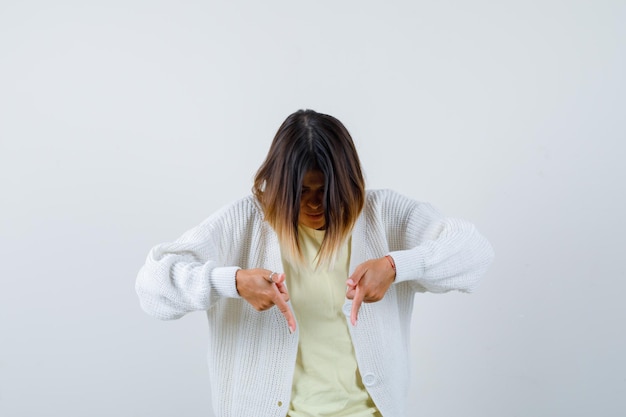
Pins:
<point x="125" y="123"/>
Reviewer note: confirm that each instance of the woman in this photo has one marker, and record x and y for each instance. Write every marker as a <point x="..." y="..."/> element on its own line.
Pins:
<point x="308" y="284"/>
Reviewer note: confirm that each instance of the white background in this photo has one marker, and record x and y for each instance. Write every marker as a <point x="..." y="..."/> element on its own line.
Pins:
<point x="125" y="123"/>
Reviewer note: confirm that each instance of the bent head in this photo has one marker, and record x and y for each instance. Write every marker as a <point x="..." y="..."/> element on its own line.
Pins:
<point x="311" y="177"/>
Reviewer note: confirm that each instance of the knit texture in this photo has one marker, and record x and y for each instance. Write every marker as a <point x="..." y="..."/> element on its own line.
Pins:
<point x="251" y="354"/>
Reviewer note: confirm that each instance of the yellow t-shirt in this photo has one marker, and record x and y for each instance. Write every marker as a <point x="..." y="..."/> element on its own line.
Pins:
<point x="326" y="380"/>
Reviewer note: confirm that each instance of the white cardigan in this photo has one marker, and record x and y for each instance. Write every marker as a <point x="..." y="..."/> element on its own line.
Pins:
<point x="252" y="354"/>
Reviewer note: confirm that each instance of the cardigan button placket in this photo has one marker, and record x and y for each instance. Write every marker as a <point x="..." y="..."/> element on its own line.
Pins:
<point x="347" y="308"/>
<point x="369" y="379"/>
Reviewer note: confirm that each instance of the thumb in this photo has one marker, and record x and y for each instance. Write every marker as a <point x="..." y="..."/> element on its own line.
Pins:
<point x="282" y="289"/>
<point x="280" y="278"/>
<point x="356" y="276"/>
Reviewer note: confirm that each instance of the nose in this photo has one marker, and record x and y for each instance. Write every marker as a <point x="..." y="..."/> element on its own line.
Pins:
<point x="314" y="202"/>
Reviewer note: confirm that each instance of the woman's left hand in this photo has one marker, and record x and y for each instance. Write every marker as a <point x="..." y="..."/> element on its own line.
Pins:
<point x="369" y="283"/>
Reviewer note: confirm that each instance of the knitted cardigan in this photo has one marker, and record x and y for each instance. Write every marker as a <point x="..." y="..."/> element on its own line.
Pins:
<point x="252" y="354"/>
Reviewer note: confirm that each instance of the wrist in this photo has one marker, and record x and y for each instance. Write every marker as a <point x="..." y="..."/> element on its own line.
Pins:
<point x="237" y="281"/>
<point x="392" y="263"/>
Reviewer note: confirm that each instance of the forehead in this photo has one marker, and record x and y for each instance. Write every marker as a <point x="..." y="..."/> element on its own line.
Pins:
<point x="313" y="179"/>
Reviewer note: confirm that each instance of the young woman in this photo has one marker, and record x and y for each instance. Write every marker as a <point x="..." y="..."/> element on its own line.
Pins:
<point x="308" y="284"/>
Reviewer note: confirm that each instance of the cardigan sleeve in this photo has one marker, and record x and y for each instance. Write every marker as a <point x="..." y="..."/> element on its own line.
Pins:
<point x="439" y="254"/>
<point x="188" y="274"/>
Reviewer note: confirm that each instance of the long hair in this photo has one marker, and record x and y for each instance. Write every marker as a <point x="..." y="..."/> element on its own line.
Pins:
<point x="307" y="141"/>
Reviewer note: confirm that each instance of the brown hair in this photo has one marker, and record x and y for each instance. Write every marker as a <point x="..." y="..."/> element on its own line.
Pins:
<point x="307" y="141"/>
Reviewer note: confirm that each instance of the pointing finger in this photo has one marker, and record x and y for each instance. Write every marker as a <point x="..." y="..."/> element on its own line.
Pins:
<point x="284" y="308"/>
<point x="356" y="304"/>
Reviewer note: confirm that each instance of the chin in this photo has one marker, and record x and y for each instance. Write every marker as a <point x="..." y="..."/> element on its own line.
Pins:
<point x="314" y="225"/>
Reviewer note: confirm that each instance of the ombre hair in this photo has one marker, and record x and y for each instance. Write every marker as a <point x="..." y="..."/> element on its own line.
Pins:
<point x="308" y="141"/>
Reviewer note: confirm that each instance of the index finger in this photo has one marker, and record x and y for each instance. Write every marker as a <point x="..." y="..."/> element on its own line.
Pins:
<point x="356" y="304"/>
<point x="284" y="308"/>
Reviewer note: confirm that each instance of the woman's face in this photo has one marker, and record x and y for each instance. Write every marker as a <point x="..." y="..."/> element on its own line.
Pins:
<point x="312" y="201"/>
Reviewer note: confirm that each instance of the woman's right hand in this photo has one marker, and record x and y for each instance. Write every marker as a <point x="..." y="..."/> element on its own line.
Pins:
<point x="255" y="286"/>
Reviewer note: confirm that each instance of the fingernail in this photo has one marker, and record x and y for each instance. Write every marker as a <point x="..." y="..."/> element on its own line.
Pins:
<point x="292" y="329"/>
<point x="350" y="282"/>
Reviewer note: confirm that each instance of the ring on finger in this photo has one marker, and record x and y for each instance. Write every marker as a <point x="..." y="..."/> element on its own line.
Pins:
<point x="271" y="277"/>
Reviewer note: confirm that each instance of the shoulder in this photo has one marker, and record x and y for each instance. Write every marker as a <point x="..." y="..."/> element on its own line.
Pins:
<point x="386" y="202"/>
<point x="228" y="222"/>
<point x="244" y="205"/>
<point x="248" y="206"/>
<point x="386" y="198"/>
<point x="237" y="213"/>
